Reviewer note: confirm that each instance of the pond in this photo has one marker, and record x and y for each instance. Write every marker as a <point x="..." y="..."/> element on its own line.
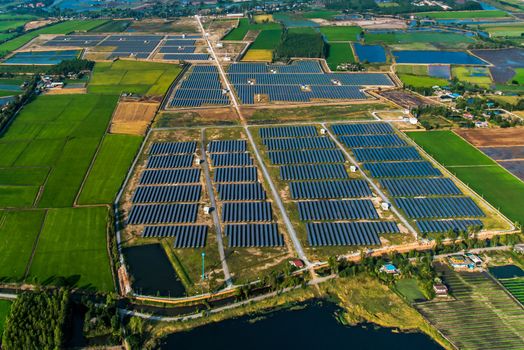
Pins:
<point x="152" y="271"/>
<point x="506" y="271"/>
<point x="312" y="325"/>
<point x="370" y="53"/>
<point x="434" y="57"/>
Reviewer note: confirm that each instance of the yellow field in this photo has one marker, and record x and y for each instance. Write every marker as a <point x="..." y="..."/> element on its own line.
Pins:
<point x="263" y="18"/>
<point x="506" y="99"/>
<point x="258" y="56"/>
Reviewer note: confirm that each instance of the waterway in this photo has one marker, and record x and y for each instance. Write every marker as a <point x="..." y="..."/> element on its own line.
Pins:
<point x="312" y="325"/>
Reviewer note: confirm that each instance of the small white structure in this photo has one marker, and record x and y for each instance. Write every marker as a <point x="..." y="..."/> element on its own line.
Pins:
<point x="353" y="168"/>
<point x="519" y="248"/>
<point x="323" y="131"/>
<point x="198" y="161"/>
<point x="385" y="205"/>
<point x="413" y="121"/>
<point x="207" y="210"/>
<point x="220" y="45"/>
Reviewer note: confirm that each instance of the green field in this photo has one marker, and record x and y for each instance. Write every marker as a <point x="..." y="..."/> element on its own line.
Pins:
<point x="408" y="287"/>
<point x="508" y="30"/>
<point x="7" y="25"/>
<point x="415" y="69"/>
<point x="267" y="40"/>
<point x="113" y="26"/>
<point x="339" y="53"/>
<point x="146" y="78"/>
<point x="18" y="232"/>
<point x="519" y="76"/>
<point x="478" y="171"/>
<point x="324" y="14"/>
<point x="417" y="37"/>
<point x="244" y="26"/>
<point x="5" y="307"/>
<point x="60" y="28"/>
<point x="473" y="75"/>
<point x="72" y="249"/>
<point x="421" y="80"/>
<point x="109" y="169"/>
<point x="340" y="33"/>
<point x="515" y="286"/>
<point x="463" y="14"/>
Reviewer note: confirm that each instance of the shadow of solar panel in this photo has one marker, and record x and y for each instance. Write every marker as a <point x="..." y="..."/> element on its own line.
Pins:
<point x="173" y="148"/>
<point x="420" y="187"/>
<point x="241" y="192"/>
<point x="288" y="131"/>
<point x="236" y="174"/>
<point x="348" y="233"/>
<point x="227" y="146"/>
<point x="442" y="226"/>
<point x="307" y="157"/>
<point x="362" y="129"/>
<point x="388" y="140"/>
<point x="162" y="214"/>
<point x="170" y="161"/>
<point x="167" y="194"/>
<point x="246" y="212"/>
<point x="303" y="143"/>
<point x="331" y="189"/>
<point x="313" y="172"/>
<point x="386" y="154"/>
<point x="160" y="177"/>
<point x="442" y="207"/>
<point x="231" y="159"/>
<point x="254" y="235"/>
<point x="337" y="210"/>
<point x="402" y="169"/>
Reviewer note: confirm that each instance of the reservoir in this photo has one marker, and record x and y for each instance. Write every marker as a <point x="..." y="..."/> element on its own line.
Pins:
<point x="311" y="325"/>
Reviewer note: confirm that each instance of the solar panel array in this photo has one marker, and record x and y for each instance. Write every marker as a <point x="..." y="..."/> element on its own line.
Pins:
<point x="301" y="81"/>
<point x="306" y="160"/>
<point x="247" y="214"/>
<point x="169" y="192"/>
<point x="181" y="48"/>
<point x="139" y="46"/>
<point x="201" y="87"/>
<point x="75" y="40"/>
<point x="418" y="188"/>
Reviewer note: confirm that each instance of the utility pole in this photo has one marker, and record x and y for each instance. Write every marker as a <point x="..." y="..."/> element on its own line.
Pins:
<point x="203" y="265"/>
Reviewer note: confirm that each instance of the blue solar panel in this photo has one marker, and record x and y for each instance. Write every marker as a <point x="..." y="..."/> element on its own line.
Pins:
<point x="173" y="148"/>
<point x="241" y="192"/>
<point x="246" y="212"/>
<point x="254" y="235"/>
<point x="283" y="144"/>
<point x="231" y="159"/>
<point x="307" y="157"/>
<point x="313" y="172"/>
<point x="402" y="169"/>
<point x="162" y="214"/>
<point x="159" y="177"/>
<point x="177" y="49"/>
<point x="420" y="187"/>
<point x="388" y="140"/>
<point x="362" y="129"/>
<point x="167" y="194"/>
<point x="442" y="226"/>
<point x="337" y="210"/>
<point x="348" y="233"/>
<point x="386" y="154"/>
<point x="331" y="189"/>
<point x="227" y="146"/>
<point x="442" y="207"/>
<point x="288" y="131"/>
<point x="186" y="56"/>
<point x="170" y="161"/>
<point x="237" y="174"/>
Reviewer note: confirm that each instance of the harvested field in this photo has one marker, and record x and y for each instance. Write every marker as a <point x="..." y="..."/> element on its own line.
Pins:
<point x="493" y="137"/>
<point x="405" y="99"/>
<point x="133" y="117"/>
<point x="212" y="116"/>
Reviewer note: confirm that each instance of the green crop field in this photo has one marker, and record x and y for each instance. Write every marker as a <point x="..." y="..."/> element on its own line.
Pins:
<point x="267" y="40"/>
<point x="415" y="69"/>
<point x="6" y="25"/>
<point x="145" y="78"/>
<point x="340" y="33"/>
<point x="5" y="307"/>
<point x="416" y="37"/>
<point x="519" y="76"/>
<point x="113" y="26"/>
<point x="421" y="80"/>
<point x="109" y="169"/>
<point x="72" y="249"/>
<point x="473" y="75"/>
<point x="324" y="14"/>
<point x="515" y="286"/>
<point x="500" y="30"/>
<point x="408" y="287"/>
<point x="18" y="232"/>
<point x="339" y="53"/>
<point x="244" y="26"/>
<point x="478" y="171"/>
<point x="60" y="28"/>
<point x="463" y="14"/>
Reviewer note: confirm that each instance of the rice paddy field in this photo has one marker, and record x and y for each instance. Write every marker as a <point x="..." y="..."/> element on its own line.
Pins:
<point x="267" y="40"/>
<point x="244" y="26"/>
<point x="7" y="25"/>
<point x="515" y="286"/>
<point x="483" y="316"/>
<point x="59" y="28"/>
<point x="475" y="169"/>
<point x="341" y="33"/>
<point x="463" y="14"/>
<point x="474" y="75"/>
<point x="253" y="55"/>
<point x="519" y="76"/>
<point x="421" y="80"/>
<point x="504" y="30"/>
<point x="399" y="37"/>
<point x="146" y="78"/>
<point x="339" y="53"/>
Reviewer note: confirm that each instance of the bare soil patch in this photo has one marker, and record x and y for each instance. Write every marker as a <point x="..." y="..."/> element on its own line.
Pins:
<point x="493" y="137"/>
<point x="133" y="117"/>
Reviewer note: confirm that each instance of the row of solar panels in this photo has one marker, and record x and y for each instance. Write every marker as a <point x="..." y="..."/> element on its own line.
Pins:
<point x="295" y="67"/>
<point x="387" y="140"/>
<point x="306" y="157"/>
<point x="388" y="154"/>
<point x="420" y="187"/>
<point x="348" y="233"/>
<point x="249" y="94"/>
<point x="170" y="161"/>
<point x="322" y="210"/>
<point x="303" y="143"/>
<point x="254" y="235"/>
<point x="327" y="79"/>
<point x="442" y="226"/>
<point x="186" y="236"/>
<point x="440" y="207"/>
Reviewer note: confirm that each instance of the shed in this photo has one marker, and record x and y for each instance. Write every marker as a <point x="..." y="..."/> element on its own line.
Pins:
<point x="440" y="289"/>
<point x="297" y="263"/>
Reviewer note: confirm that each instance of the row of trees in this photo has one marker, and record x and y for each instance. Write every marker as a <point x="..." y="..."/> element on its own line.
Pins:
<point x="74" y="66"/>
<point x="37" y="321"/>
<point x="9" y="111"/>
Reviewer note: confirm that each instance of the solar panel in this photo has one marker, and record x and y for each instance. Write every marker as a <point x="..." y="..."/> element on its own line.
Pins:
<point x="442" y="226"/>
<point x="348" y="233"/>
<point x="227" y="146"/>
<point x="420" y="187"/>
<point x="442" y="207"/>
<point x="313" y="172"/>
<point x="160" y="177"/>
<point x="241" y="192"/>
<point x="362" y="129"/>
<point x="402" y="169"/>
<point x="231" y="159"/>
<point x="254" y="235"/>
<point x="308" y="157"/>
<point x="303" y="143"/>
<point x="288" y="131"/>
<point x="331" y="189"/>
<point x="162" y="214"/>
<point x="246" y="212"/>
<point x="167" y="194"/>
<point x="386" y="154"/>
<point x="170" y="161"/>
<point x="388" y="140"/>
<point x="173" y="148"/>
<point x="236" y="174"/>
<point x="337" y="210"/>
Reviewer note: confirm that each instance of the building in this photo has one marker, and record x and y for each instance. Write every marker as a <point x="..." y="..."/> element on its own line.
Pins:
<point x="389" y="269"/>
<point x="440" y="290"/>
<point x="460" y="262"/>
<point x="475" y="259"/>
<point x="519" y="248"/>
<point x="297" y="263"/>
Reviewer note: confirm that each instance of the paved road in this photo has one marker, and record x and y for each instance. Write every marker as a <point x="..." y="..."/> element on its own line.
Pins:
<point x="214" y="212"/>
<point x="373" y="185"/>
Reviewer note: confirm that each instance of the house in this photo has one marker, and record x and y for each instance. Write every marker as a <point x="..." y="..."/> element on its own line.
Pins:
<point x="460" y="262"/>
<point x="389" y="269"/>
<point x="440" y="290"/>
<point x="519" y="248"/>
<point x="475" y="259"/>
<point x="299" y="264"/>
<point x="480" y="124"/>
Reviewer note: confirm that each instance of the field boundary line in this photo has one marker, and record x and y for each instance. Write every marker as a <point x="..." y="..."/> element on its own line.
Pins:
<point x="169" y="94"/>
<point x="35" y="246"/>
